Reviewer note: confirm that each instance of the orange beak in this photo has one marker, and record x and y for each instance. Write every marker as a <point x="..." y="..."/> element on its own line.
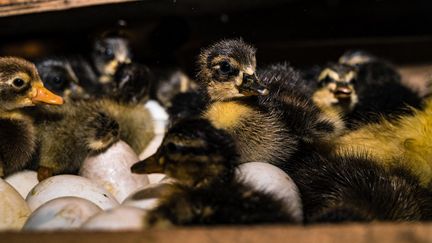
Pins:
<point x="42" y="95"/>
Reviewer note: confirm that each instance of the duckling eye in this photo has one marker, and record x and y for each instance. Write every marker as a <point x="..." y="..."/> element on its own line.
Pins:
<point x="18" y="83"/>
<point x="109" y="53"/>
<point x="171" y="148"/>
<point x="58" y="80"/>
<point x="326" y="80"/>
<point x="225" y="67"/>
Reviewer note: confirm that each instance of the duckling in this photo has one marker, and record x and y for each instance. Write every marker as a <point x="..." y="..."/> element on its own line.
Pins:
<point x="202" y="159"/>
<point x="59" y="76"/>
<point x="290" y="96"/>
<point x="407" y="137"/>
<point x="355" y="187"/>
<point x="364" y="88"/>
<point x="70" y="133"/>
<point x="110" y="50"/>
<point x="131" y="83"/>
<point x="169" y="83"/>
<point x="267" y="126"/>
<point x="20" y="86"/>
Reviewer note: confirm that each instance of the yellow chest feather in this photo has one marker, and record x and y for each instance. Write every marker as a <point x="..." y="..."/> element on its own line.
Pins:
<point x="226" y="115"/>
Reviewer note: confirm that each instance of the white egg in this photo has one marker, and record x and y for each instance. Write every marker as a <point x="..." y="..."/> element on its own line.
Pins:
<point x="61" y="213"/>
<point x="156" y="177"/>
<point x="270" y="179"/>
<point x="23" y="181"/>
<point x="112" y="170"/>
<point x="70" y="185"/>
<point x="147" y="197"/>
<point x="120" y="218"/>
<point x="13" y="208"/>
<point x="160" y="120"/>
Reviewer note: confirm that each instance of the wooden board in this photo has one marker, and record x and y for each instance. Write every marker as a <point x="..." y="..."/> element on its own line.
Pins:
<point x="16" y="7"/>
<point x="366" y="233"/>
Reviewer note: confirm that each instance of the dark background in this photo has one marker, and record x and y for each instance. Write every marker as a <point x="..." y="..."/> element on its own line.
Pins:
<point x="172" y="32"/>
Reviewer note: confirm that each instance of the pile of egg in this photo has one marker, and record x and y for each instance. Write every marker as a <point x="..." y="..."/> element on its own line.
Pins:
<point x="107" y="196"/>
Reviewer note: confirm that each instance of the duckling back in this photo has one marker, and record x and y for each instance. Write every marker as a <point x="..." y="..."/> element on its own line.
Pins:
<point x="408" y="137"/>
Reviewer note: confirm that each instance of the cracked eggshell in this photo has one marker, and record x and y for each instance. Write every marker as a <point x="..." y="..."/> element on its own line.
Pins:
<point x="64" y="213"/>
<point x="111" y="169"/>
<point x="271" y="179"/>
<point x="13" y="208"/>
<point x="23" y="181"/>
<point x="70" y="185"/>
<point x="147" y="197"/>
<point x="120" y="218"/>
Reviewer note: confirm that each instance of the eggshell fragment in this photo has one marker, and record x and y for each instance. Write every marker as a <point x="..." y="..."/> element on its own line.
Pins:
<point x="70" y="185"/>
<point x="120" y="218"/>
<point x="61" y="213"/>
<point x="269" y="178"/>
<point x="147" y="197"/>
<point x="111" y="170"/>
<point x="13" y="208"/>
<point x="23" y="181"/>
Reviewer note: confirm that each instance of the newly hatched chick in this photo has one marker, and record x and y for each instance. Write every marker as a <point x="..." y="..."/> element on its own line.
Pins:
<point x="70" y="133"/>
<point x="227" y="75"/>
<point x="290" y="97"/>
<point x="131" y="83"/>
<point x="202" y="159"/>
<point x="109" y="51"/>
<point x="20" y="86"/>
<point x="266" y="125"/>
<point x="168" y="84"/>
<point x="364" y="88"/>
<point x="355" y="187"/>
<point x="59" y="75"/>
<point x="336" y="88"/>
<point x="407" y="137"/>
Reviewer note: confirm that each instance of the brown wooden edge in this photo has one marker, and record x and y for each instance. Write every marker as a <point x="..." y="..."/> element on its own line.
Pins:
<point x="351" y="233"/>
<point x="14" y="7"/>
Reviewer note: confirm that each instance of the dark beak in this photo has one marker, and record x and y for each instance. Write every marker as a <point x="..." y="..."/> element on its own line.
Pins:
<point x="150" y="165"/>
<point x="251" y="86"/>
<point x="343" y="91"/>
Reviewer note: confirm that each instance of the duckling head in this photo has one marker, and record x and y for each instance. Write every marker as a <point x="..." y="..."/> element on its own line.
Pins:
<point x="58" y="76"/>
<point x="336" y="87"/>
<point x="108" y="53"/>
<point x="21" y="86"/>
<point x="194" y="153"/>
<point x="227" y="70"/>
<point x="356" y="58"/>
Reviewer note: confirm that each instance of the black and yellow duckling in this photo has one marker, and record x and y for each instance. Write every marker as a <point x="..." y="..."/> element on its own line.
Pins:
<point x="266" y="123"/>
<point x="203" y="160"/>
<point x="364" y="88"/>
<point x="169" y="83"/>
<point x="20" y="86"/>
<point x="290" y="97"/>
<point x="407" y="137"/>
<point x="110" y="50"/>
<point x="68" y="134"/>
<point x="59" y="75"/>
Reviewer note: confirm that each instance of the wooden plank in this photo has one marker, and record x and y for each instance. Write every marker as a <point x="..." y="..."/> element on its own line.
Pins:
<point x="18" y="7"/>
<point x="352" y="233"/>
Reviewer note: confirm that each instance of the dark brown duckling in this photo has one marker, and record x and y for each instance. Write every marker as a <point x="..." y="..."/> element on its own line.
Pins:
<point x="203" y="161"/>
